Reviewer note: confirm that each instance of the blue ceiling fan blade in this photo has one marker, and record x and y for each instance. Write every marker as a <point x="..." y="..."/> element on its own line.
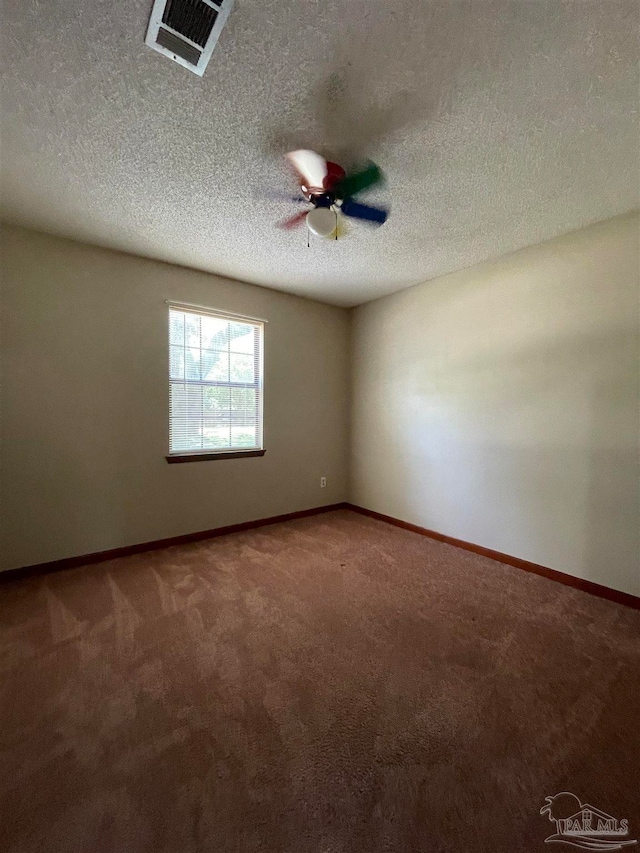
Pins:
<point x="364" y="211"/>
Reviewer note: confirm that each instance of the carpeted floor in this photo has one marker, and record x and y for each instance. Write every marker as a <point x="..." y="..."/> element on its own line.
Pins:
<point x="327" y="685"/>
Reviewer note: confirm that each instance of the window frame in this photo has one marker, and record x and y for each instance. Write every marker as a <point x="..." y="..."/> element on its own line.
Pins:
<point x="208" y="454"/>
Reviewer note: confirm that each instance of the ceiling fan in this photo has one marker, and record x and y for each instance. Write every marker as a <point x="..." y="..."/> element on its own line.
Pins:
<point x="330" y="191"/>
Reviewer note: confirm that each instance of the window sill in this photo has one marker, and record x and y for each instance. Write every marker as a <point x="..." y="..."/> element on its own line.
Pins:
<point x="202" y="457"/>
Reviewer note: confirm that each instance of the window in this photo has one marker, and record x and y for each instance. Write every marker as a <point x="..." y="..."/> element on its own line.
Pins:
<point x="215" y="383"/>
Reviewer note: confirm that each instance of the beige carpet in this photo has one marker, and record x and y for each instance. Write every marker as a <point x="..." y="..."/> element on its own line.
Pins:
<point x="327" y="685"/>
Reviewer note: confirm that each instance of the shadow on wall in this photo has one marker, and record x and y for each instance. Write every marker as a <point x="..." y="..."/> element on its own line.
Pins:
<point x="612" y="535"/>
<point x="528" y="450"/>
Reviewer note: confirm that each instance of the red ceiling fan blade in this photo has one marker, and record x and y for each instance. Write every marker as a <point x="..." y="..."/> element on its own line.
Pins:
<point x="335" y="173"/>
<point x="311" y="167"/>
<point x="294" y="221"/>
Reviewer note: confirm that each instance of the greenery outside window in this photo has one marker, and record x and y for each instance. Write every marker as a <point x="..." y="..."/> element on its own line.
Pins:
<point x="215" y="383"/>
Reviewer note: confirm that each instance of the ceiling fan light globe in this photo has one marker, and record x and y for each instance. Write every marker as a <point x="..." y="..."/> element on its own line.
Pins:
<point x="321" y="221"/>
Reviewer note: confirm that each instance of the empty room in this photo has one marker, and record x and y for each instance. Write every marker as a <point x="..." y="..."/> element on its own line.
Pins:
<point x="319" y="426"/>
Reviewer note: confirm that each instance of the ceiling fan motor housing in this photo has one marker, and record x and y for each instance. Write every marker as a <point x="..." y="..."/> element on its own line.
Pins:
<point x="323" y="199"/>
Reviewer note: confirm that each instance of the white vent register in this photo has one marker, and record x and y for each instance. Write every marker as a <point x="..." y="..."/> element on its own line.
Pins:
<point x="187" y="30"/>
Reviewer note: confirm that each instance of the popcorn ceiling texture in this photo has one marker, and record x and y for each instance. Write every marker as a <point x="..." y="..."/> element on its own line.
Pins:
<point x="499" y="124"/>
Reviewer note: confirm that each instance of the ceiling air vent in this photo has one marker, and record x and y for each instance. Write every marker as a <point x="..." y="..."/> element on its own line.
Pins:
<point x="187" y="30"/>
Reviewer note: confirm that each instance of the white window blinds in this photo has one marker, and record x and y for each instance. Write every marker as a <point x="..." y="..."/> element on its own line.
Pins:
<point x="215" y="382"/>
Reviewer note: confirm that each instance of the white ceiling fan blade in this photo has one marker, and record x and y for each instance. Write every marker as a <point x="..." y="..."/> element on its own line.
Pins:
<point x="311" y="167"/>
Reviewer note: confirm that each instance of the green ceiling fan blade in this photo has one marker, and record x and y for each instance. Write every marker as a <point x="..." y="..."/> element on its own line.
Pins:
<point x="352" y="184"/>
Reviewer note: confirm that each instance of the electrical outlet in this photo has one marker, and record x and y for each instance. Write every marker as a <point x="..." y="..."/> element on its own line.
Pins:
<point x="323" y="482"/>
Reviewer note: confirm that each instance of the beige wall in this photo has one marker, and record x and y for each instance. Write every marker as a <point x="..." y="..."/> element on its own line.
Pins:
<point x="499" y="405"/>
<point x="85" y="397"/>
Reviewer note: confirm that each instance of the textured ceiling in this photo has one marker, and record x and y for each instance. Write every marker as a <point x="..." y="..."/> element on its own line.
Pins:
<point x="499" y="123"/>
